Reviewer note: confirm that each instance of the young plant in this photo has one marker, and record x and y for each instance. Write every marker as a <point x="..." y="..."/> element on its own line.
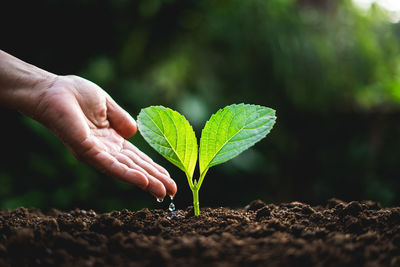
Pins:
<point x="226" y="134"/>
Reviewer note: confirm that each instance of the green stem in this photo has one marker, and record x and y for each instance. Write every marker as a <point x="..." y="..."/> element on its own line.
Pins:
<point x="189" y="181"/>
<point x="202" y="178"/>
<point x="196" y="203"/>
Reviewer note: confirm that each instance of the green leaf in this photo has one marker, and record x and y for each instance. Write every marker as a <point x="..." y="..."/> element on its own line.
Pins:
<point x="171" y="135"/>
<point x="232" y="130"/>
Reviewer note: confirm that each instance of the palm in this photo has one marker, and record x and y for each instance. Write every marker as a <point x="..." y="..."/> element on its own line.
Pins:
<point x="93" y="128"/>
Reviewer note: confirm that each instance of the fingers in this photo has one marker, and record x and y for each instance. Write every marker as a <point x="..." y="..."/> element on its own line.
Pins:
<point x="155" y="186"/>
<point x="110" y="165"/>
<point x="120" y="120"/>
<point x="120" y="166"/>
<point x="150" y="166"/>
<point x="128" y="146"/>
<point x="169" y="184"/>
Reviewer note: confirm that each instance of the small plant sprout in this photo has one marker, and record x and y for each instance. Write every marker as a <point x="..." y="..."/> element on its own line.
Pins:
<point x="226" y="134"/>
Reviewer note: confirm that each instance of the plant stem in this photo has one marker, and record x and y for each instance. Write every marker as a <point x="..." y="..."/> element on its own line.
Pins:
<point x="189" y="178"/>
<point x="196" y="206"/>
<point x="195" y="190"/>
<point x="202" y="178"/>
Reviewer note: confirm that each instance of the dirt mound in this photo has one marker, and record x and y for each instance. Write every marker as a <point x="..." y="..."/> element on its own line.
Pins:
<point x="289" y="234"/>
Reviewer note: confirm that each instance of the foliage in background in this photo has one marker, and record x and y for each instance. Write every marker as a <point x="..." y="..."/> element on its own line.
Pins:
<point x="333" y="73"/>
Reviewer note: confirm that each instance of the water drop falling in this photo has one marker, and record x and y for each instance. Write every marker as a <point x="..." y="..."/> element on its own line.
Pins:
<point x="160" y="200"/>
<point x="172" y="212"/>
<point x="171" y="207"/>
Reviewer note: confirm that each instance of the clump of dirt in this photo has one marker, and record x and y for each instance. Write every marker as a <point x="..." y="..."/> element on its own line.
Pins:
<point x="289" y="234"/>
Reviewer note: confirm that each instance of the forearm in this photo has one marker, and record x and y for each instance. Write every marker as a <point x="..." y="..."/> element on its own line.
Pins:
<point x="22" y="84"/>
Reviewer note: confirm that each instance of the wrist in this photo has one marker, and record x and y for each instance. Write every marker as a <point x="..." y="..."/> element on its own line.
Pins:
<point x="28" y="96"/>
<point x="32" y="95"/>
<point x="21" y="84"/>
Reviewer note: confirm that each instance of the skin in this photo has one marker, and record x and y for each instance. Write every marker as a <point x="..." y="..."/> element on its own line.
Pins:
<point x="86" y="119"/>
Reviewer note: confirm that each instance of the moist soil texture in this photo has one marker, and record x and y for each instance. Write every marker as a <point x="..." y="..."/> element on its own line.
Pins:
<point x="289" y="234"/>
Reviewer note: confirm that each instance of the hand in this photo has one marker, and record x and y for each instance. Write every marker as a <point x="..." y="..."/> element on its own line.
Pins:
<point x="93" y="128"/>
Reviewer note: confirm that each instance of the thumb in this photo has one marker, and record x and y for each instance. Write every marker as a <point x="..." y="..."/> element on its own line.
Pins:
<point x="120" y="120"/>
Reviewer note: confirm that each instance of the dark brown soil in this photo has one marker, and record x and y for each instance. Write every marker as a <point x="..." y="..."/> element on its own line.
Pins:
<point x="291" y="234"/>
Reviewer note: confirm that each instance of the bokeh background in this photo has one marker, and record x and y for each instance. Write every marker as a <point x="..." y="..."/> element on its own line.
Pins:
<point x="331" y="69"/>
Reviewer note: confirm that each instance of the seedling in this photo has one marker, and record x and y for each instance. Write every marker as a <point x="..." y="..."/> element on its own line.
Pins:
<point x="226" y="134"/>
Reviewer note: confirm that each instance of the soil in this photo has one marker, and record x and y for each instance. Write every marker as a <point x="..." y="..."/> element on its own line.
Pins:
<point x="289" y="234"/>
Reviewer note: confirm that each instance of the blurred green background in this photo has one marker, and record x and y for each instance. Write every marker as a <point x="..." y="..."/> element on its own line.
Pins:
<point x="329" y="68"/>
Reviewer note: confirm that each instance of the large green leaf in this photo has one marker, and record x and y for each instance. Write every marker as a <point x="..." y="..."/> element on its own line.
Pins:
<point x="232" y="130"/>
<point x="170" y="134"/>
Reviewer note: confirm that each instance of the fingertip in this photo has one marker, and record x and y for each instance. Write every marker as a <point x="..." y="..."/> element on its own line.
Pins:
<point x="172" y="188"/>
<point x="157" y="189"/>
<point x="120" y="120"/>
<point x="127" y="127"/>
<point x="133" y="125"/>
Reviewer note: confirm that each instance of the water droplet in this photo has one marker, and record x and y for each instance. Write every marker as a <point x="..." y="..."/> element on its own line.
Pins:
<point x="160" y="200"/>
<point x="171" y="207"/>
<point x="172" y="212"/>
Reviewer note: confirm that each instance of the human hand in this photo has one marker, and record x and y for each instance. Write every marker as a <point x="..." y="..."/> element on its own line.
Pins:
<point x="93" y="128"/>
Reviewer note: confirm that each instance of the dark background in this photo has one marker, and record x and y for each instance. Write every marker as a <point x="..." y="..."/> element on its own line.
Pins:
<point x="330" y="70"/>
